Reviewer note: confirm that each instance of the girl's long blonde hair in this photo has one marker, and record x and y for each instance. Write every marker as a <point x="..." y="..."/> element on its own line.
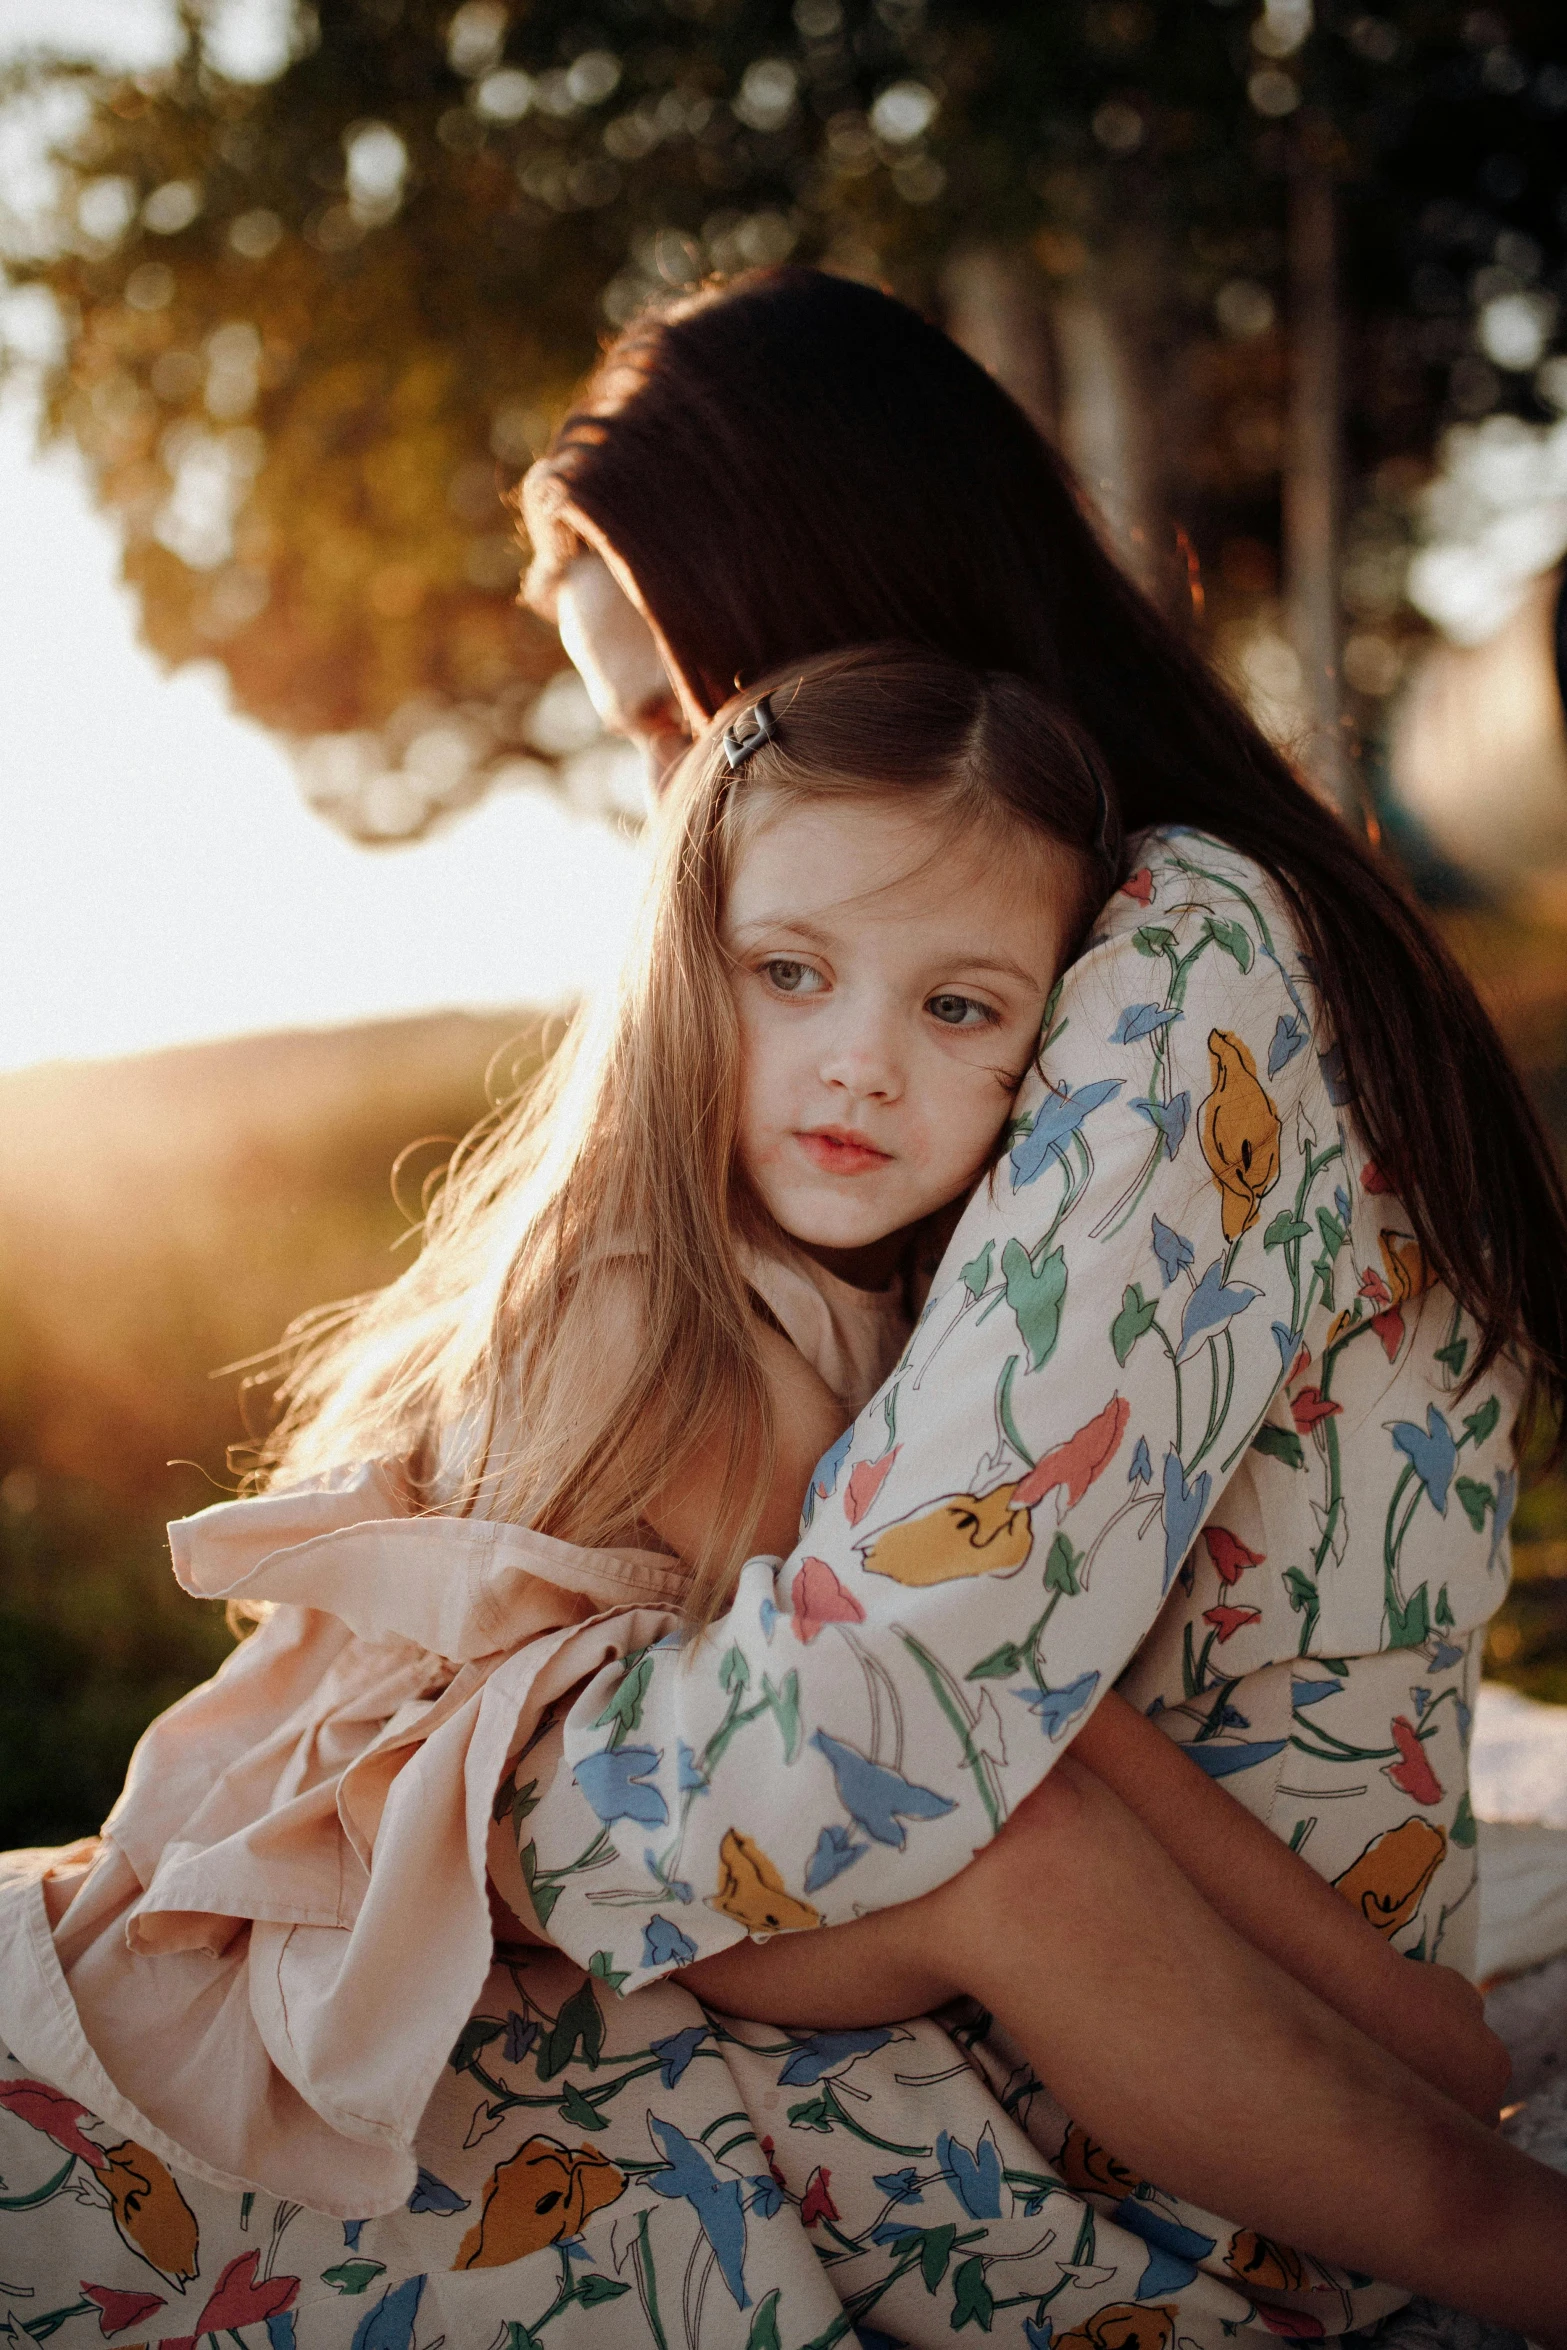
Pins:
<point x="481" y="1370"/>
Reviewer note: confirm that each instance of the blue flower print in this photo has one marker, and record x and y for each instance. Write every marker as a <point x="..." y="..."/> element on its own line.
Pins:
<point x="1141" y="1470"/>
<point x="835" y="1852"/>
<point x="1312" y="1692"/>
<point x="1172" y="1119"/>
<point x="611" y="1782"/>
<point x="1444" y="1656"/>
<point x="1288" y="1037"/>
<point x="520" y="2036"/>
<point x="1140" y="1020"/>
<point x="1038" y="2333"/>
<point x="1222" y="1762"/>
<point x="875" y="1798"/>
<point x="975" y="2179"/>
<point x="900" y="2186"/>
<point x="390" y="2324"/>
<point x="1213" y="1306"/>
<point x="688" y="1779"/>
<point x="1431" y="1453"/>
<point x="280" y="2330"/>
<point x="1060" y="1116"/>
<point x="1288" y="1342"/>
<point x="1173" y="2251"/>
<point x="663" y="1944"/>
<point x="828" y="2052"/>
<point x="720" y="2210"/>
<point x="675" y="2052"/>
<point x="766" y="2195"/>
<point x="825" y="1475"/>
<point x="1185" y="1507"/>
<point x="1058" y="1708"/>
<point x="433" y="2194"/>
<point x="1335" y="1077"/>
<point x="1173" y="1250"/>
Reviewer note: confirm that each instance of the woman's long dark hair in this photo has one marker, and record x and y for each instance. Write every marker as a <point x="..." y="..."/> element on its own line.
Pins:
<point x="795" y="462"/>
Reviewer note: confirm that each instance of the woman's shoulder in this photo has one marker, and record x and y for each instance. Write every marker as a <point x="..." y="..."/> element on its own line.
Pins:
<point x="1179" y="876"/>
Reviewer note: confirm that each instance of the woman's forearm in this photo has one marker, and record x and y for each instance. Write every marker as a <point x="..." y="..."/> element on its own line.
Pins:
<point x="1427" y="2015"/>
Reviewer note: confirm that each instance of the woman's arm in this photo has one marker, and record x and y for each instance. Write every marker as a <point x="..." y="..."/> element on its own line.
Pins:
<point x="988" y="1546"/>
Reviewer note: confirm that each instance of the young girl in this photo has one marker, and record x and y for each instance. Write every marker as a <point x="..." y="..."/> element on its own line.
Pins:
<point x="869" y="878"/>
<point x="648" y="1304"/>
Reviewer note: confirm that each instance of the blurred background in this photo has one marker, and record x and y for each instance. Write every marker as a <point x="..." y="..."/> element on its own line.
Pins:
<point x="306" y="831"/>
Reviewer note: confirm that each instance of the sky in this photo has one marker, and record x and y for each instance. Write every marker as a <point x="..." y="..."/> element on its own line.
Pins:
<point x="161" y="880"/>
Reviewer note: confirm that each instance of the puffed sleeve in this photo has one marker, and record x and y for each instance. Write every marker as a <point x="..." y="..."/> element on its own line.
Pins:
<point x="985" y="1548"/>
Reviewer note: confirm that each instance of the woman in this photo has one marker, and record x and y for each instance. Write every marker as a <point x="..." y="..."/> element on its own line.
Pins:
<point x="1149" y="1368"/>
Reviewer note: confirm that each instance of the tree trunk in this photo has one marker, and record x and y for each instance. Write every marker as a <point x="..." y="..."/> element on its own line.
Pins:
<point x="1312" y="492"/>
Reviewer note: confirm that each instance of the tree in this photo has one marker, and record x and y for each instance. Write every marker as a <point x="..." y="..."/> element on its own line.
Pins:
<point x="314" y="328"/>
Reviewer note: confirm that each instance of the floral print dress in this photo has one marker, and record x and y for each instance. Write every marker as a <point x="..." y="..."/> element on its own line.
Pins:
<point x="1184" y="1412"/>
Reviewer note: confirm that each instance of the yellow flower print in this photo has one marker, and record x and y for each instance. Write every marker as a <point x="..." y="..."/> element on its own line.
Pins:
<point x="1124" y="2325"/>
<point x="1092" y="2169"/>
<point x="1240" y="1133"/>
<point x="1257" y="2260"/>
<point x="1386" y="1881"/>
<point x="149" y="2210"/>
<point x="542" y="2194"/>
<point x="1407" y="1271"/>
<point x="751" y="1890"/>
<point x="961" y="1534"/>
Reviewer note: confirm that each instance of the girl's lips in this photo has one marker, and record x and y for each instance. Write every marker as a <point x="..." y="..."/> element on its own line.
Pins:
<point x="838" y="1152"/>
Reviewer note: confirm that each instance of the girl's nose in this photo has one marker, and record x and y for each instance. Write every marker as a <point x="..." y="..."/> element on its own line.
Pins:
<point x="862" y="1059"/>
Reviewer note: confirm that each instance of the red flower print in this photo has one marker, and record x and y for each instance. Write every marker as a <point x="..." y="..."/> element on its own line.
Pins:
<point x="1079" y="1461"/>
<point x="1228" y="1620"/>
<point x="1291" y="2325"/>
<point x="816" y="2203"/>
<point x="1231" y="1557"/>
<point x="866" y="1480"/>
<point x="770" y="2151"/>
<point x="117" y="2310"/>
<point x="1310" y="1406"/>
<point x="238" y="2301"/>
<point x="57" y="2115"/>
<point x="1139" y="885"/>
<point x="1413" y="1775"/>
<point x="1389" y="1327"/>
<point x="819" y="1598"/>
<point x="1373" y="1286"/>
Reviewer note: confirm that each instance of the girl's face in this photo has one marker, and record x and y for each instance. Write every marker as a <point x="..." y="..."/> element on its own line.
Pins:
<point x="890" y="989"/>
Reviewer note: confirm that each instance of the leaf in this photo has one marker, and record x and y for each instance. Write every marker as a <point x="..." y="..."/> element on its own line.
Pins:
<point x="1332" y="1231"/>
<point x="580" y="2019"/>
<point x="1481" y="1423"/>
<point x="1477" y="1498"/>
<point x="1409" y="1626"/>
<point x="935" y="2252"/>
<point x="764" y="2325"/>
<point x="1061" y="1567"/>
<point x="1323" y="1268"/>
<point x="579" y="2109"/>
<point x="1285" y="1227"/>
<point x="1302" y="1591"/>
<point x="1153" y="939"/>
<point x="1463" y="1830"/>
<point x="591" y="2290"/>
<point x="976" y="1273"/>
<point x="352" y="2276"/>
<point x="1235" y="941"/>
<point x="477" y="2033"/>
<point x="1453" y="1356"/>
<point x="1444" y="1610"/>
<point x="814" y="2114"/>
<point x="1279" y="1444"/>
<point x="1137" y="1316"/>
<point x="972" y="2299"/>
<point x="1035" y="1293"/>
<point x="1001" y="1662"/>
<point x="544" y="1898"/>
<point x="784" y="1706"/>
<point x="734" y="1674"/>
<point x="601" y="1966"/>
<point x="624" y="1710"/>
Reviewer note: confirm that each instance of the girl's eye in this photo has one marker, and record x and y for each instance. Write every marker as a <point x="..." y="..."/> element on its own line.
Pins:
<point x="959" y="1011"/>
<point x="789" y="978"/>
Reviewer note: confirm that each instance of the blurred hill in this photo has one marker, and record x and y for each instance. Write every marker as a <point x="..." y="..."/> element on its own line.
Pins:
<point x="159" y="1218"/>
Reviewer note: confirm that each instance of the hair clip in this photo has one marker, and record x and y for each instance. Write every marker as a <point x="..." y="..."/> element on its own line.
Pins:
<point x="760" y="728"/>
